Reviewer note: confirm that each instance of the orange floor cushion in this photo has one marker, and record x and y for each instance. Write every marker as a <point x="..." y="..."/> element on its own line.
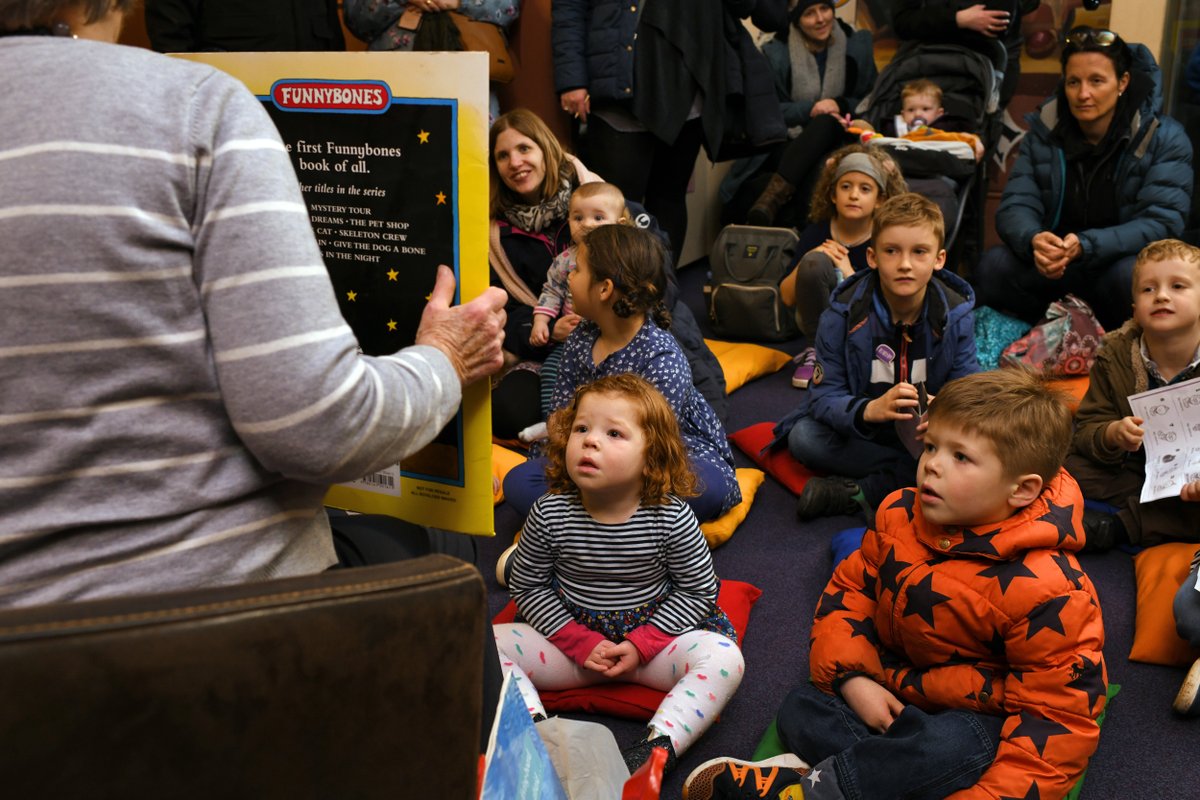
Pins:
<point x="1159" y="572"/>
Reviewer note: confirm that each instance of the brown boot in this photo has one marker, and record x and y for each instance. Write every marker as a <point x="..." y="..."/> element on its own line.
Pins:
<point x="767" y="206"/>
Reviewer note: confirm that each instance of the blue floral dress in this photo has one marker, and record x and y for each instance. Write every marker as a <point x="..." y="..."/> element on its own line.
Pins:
<point x="655" y="355"/>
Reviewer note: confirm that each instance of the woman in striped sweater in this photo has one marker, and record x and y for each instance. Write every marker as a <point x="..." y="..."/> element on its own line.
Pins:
<point x="612" y="577"/>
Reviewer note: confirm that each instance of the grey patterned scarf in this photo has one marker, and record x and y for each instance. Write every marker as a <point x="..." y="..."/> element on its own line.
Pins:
<point x="537" y="217"/>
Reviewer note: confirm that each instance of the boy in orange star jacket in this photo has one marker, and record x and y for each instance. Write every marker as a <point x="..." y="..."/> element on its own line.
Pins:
<point x="958" y="652"/>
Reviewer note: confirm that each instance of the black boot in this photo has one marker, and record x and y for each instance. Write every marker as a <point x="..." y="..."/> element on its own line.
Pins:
<point x="640" y="753"/>
<point x="767" y="206"/>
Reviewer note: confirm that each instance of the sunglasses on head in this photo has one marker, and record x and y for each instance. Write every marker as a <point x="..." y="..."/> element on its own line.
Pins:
<point x="1082" y="37"/>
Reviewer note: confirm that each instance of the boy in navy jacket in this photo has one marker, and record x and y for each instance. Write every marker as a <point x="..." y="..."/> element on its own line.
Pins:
<point x="890" y="339"/>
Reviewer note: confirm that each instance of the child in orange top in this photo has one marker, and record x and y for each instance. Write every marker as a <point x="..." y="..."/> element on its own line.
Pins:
<point x="958" y="653"/>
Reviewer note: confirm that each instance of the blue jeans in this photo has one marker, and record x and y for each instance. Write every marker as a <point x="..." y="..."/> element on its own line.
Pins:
<point x="1009" y="283"/>
<point x="526" y="482"/>
<point x="879" y="467"/>
<point x="921" y="756"/>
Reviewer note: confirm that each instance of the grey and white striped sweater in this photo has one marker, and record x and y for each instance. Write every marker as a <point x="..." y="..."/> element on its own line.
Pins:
<point x="177" y="386"/>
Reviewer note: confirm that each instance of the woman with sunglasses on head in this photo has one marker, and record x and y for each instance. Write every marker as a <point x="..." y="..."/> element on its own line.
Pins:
<point x="1101" y="173"/>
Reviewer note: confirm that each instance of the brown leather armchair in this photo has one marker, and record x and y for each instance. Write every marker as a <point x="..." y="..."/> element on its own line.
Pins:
<point x="355" y="683"/>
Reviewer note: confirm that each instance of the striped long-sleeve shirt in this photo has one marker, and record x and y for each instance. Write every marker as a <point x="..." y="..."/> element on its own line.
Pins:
<point x="610" y="567"/>
<point x="177" y="386"/>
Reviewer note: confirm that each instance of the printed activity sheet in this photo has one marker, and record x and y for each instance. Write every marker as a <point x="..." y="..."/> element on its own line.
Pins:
<point x="1171" y="420"/>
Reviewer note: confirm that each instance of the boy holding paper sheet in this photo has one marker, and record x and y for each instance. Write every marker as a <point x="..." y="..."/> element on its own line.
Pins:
<point x="1159" y="347"/>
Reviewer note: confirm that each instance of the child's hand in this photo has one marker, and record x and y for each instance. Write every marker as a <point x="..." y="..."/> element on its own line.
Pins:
<point x="1190" y="493"/>
<point x="839" y="255"/>
<point x="1125" y="433"/>
<point x="540" y="334"/>
<point x="896" y="404"/>
<point x="598" y="660"/>
<point x="874" y="705"/>
<point x="978" y="145"/>
<point x="564" y="325"/>
<point x="625" y="658"/>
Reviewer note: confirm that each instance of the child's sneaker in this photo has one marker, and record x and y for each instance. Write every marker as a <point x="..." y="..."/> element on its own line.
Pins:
<point x="1187" y="702"/>
<point x="806" y="365"/>
<point x="777" y="777"/>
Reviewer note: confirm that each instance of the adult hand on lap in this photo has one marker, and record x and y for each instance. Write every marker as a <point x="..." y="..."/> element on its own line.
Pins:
<point x="471" y="335"/>
<point x="826" y="106"/>
<point x="1049" y="256"/>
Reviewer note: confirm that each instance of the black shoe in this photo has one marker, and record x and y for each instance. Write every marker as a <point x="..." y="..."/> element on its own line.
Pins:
<point x="1187" y="702"/>
<point x="730" y="779"/>
<point x="640" y="753"/>
<point x="1101" y="531"/>
<point x="830" y="497"/>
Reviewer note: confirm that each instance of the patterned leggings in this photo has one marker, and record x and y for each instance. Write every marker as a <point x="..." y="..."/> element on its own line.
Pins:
<point x="700" y="671"/>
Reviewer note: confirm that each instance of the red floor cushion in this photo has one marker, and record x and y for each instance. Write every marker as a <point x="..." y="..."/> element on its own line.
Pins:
<point x="776" y="462"/>
<point x="629" y="700"/>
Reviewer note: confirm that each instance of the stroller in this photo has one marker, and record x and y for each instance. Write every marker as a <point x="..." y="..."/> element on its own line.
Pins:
<point x="970" y="83"/>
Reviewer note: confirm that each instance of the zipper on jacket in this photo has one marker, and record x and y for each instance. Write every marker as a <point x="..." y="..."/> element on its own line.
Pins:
<point x="1062" y="189"/>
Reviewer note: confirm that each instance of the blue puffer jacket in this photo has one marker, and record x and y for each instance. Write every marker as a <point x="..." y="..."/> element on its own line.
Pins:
<point x="845" y="347"/>
<point x="1153" y="185"/>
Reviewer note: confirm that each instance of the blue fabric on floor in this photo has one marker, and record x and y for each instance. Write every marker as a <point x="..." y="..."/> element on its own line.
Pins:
<point x="844" y="543"/>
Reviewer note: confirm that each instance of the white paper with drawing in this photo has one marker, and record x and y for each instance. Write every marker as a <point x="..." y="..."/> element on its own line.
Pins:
<point x="1171" y="420"/>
